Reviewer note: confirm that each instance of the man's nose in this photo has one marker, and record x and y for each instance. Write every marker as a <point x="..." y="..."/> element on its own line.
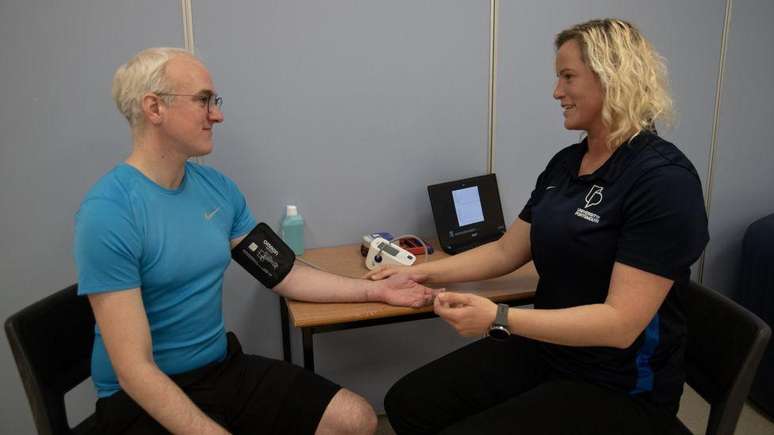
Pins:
<point x="215" y="114"/>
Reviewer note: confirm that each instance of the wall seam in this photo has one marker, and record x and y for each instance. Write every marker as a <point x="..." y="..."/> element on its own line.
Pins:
<point x="493" y="5"/>
<point x="188" y="41"/>
<point x="715" y="124"/>
<point x="188" y="36"/>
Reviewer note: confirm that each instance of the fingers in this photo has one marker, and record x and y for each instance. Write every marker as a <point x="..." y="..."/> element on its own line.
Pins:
<point x="423" y="301"/>
<point x="411" y="294"/>
<point x="447" y="310"/>
<point x="370" y="274"/>
<point x="420" y="298"/>
<point x="450" y="315"/>
<point x="384" y="272"/>
<point x="402" y="291"/>
<point x="460" y="311"/>
<point x="381" y="272"/>
<point x="455" y="300"/>
<point x="428" y="296"/>
<point x="437" y="307"/>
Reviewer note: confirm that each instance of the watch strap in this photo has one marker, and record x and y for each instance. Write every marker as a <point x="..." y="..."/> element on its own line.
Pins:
<point x="501" y="319"/>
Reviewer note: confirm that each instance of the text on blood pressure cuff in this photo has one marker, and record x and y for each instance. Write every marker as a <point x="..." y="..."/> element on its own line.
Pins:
<point x="264" y="255"/>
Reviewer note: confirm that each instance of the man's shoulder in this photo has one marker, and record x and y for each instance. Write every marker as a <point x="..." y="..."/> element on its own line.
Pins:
<point x="114" y="187"/>
<point x="209" y="178"/>
<point x="207" y="173"/>
<point x="203" y="170"/>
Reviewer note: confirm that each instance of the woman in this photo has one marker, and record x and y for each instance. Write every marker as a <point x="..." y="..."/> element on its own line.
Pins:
<point x="613" y="225"/>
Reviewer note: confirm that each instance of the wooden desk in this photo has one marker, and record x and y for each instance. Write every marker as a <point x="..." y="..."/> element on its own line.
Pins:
<point x="517" y="288"/>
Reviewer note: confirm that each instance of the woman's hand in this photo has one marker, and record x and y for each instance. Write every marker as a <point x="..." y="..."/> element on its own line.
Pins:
<point x="384" y="272"/>
<point x="469" y="314"/>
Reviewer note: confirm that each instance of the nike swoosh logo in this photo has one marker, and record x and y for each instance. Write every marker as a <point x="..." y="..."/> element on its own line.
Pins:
<point x="210" y="215"/>
<point x="550" y="187"/>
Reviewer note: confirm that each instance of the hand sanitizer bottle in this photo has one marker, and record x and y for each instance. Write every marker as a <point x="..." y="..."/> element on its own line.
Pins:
<point x="293" y="230"/>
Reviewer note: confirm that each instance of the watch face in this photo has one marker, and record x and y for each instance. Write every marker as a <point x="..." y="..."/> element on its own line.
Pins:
<point x="499" y="332"/>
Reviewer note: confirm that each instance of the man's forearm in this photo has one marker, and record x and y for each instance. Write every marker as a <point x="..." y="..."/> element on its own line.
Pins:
<point x="160" y="397"/>
<point x="307" y="284"/>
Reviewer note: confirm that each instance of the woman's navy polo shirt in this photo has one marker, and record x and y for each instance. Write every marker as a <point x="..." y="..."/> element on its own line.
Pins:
<point x="643" y="208"/>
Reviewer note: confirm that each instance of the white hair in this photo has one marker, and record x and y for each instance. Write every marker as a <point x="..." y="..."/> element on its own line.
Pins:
<point x="143" y="73"/>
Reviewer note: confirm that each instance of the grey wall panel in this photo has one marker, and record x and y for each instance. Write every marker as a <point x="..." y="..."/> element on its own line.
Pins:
<point x="744" y="173"/>
<point x="333" y="105"/>
<point x="529" y="121"/>
<point x="60" y="133"/>
<point x="348" y="109"/>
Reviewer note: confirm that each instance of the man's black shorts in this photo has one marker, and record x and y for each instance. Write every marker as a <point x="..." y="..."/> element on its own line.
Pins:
<point x="246" y="394"/>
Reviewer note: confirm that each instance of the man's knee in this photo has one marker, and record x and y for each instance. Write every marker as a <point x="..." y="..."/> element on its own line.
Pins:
<point x="347" y="413"/>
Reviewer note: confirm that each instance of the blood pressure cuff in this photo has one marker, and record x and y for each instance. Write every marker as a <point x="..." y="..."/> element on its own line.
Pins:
<point x="264" y="255"/>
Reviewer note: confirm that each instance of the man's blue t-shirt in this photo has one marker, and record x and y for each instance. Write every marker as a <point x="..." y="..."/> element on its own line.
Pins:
<point x="172" y="244"/>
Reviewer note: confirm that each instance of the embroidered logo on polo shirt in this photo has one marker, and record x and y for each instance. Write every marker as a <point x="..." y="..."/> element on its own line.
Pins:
<point x="210" y="215"/>
<point x="594" y="197"/>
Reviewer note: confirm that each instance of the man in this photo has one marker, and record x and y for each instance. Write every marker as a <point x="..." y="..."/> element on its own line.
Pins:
<point x="152" y="240"/>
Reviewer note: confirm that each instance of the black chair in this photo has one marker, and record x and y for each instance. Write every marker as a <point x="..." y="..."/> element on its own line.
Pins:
<point x="756" y="293"/>
<point x="725" y="346"/>
<point x="51" y="341"/>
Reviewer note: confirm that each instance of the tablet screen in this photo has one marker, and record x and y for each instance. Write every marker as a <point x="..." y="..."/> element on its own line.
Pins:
<point x="467" y="212"/>
<point x="467" y="204"/>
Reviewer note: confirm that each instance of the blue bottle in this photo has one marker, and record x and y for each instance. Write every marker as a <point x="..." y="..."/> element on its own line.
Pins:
<point x="293" y="230"/>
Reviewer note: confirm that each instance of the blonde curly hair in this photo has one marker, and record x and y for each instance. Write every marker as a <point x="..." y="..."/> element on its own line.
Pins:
<point x="633" y="76"/>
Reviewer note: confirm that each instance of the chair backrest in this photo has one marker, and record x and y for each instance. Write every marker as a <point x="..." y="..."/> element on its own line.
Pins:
<point x="51" y="341"/>
<point x="725" y="345"/>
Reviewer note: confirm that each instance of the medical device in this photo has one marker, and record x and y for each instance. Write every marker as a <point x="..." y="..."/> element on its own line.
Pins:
<point x="365" y="244"/>
<point x="264" y="255"/>
<point x="383" y="252"/>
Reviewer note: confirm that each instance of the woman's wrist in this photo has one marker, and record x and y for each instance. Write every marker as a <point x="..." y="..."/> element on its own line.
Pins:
<point x="424" y="270"/>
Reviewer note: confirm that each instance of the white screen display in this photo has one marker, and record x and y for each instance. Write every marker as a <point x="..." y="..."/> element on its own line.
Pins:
<point x="388" y="249"/>
<point x="467" y="204"/>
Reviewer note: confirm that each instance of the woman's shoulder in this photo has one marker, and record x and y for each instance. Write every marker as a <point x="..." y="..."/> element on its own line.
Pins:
<point x="570" y="154"/>
<point x="657" y="153"/>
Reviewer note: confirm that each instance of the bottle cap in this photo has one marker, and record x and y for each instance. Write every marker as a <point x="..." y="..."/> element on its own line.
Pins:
<point x="291" y="210"/>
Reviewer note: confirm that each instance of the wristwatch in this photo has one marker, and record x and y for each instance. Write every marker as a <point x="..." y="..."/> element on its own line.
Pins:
<point x="499" y="329"/>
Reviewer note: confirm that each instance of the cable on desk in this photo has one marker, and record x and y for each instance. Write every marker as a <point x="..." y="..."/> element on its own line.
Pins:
<point x="309" y="263"/>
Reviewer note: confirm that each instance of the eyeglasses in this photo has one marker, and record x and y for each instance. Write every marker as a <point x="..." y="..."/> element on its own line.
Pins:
<point x="205" y="100"/>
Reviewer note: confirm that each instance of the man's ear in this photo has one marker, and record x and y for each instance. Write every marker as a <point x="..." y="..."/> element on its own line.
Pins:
<point x="152" y="108"/>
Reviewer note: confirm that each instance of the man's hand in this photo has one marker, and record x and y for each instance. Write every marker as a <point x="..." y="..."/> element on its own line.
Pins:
<point x="469" y="314"/>
<point x="401" y="290"/>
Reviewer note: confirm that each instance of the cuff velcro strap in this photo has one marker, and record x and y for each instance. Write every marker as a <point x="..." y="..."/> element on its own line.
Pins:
<point x="264" y="255"/>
